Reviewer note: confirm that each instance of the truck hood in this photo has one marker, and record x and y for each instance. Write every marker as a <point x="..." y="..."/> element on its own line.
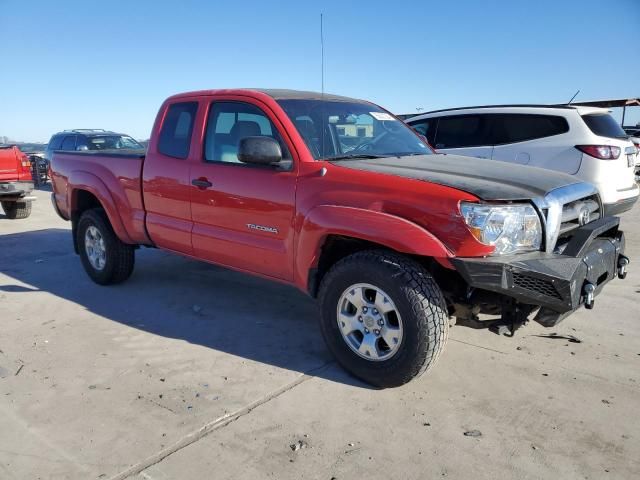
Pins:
<point x="486" y="179"/>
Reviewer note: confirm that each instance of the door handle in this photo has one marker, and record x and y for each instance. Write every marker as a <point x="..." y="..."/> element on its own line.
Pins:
<point x="201" y="183"/>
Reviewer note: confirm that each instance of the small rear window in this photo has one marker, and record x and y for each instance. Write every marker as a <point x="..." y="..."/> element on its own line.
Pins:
<point x="69" y="143"/>
<point x="175" y="136"/>
<point x="56" y="142"/>
<point x="603" y="125"/>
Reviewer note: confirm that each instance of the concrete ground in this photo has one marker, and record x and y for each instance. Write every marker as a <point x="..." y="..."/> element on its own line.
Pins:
<point x="188" y="371"/>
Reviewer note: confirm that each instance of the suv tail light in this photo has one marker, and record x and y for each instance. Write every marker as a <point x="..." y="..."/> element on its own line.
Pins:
<point x="603" y="152"/>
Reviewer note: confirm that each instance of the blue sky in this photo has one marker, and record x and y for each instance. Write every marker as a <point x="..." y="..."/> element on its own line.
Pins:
<point x="80" y="64"/>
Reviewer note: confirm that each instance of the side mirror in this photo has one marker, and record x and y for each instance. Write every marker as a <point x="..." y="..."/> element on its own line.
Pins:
<point x="82" y="148"/>
<point x="259" y="150"/>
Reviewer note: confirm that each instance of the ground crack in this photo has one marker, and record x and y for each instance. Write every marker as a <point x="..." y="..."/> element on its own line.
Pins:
<point x="216" y="425"/>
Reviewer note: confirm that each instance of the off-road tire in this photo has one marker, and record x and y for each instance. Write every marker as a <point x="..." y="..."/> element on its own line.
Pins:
<point x="17" y="209"/>
<point x="120" y="257"/>
<point x="418" y="299"/>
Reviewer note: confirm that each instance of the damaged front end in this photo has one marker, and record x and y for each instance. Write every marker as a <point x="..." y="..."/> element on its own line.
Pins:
<point x="578" y="260"/>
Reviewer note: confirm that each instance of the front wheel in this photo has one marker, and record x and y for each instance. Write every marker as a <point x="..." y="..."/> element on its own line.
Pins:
<point x="383" y="317"/>
<point x="105" y="258"/>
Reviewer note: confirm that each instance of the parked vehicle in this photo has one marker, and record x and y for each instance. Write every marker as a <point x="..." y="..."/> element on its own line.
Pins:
<point x="582" y="141"/>
<point x="15" y="182"/>
<point x="342" y="200"/>
<point x="39" y="167"/>
<point x="82" y="139"/>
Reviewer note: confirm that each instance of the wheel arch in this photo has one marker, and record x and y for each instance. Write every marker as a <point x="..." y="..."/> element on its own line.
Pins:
<point x="90" y="192"/>
<point x="330" y="233"/>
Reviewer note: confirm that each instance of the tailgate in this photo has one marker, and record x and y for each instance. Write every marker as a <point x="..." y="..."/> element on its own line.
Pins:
<point x="8" y="164"/>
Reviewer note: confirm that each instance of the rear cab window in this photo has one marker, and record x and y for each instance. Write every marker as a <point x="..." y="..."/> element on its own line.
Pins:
<point x="175" y="135"/>
<point x="603" y="125"/>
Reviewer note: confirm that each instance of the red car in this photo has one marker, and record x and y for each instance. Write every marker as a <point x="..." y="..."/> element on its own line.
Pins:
<point x="16" y="183"/>
<point x="341" y="199"/>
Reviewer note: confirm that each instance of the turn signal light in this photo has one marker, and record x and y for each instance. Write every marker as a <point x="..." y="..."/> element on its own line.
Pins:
<point x="603" y="152"/>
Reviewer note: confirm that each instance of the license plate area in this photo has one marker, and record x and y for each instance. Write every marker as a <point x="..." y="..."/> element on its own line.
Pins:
<point x="631" y="160"/>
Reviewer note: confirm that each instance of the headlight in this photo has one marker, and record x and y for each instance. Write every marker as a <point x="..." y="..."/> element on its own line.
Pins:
<point x="509" y="228"/>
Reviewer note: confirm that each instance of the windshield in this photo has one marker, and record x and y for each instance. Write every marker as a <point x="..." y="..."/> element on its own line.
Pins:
<point x="336" y="130"/>
<point x="112" y="142"/>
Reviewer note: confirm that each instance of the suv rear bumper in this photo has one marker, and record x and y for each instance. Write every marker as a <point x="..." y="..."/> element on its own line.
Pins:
<point x="555" y="282"/>
<point x="11" y="190"/>
<point x="619" y="207"/>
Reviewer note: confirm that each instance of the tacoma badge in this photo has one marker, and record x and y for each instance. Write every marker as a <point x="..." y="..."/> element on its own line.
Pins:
<point x="262" y="228"/>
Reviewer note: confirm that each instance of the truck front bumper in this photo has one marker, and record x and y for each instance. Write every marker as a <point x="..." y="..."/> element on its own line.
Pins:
<point x="558" y="283"/>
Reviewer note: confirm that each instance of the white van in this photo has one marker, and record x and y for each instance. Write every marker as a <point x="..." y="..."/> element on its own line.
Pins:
<point x="582" y="141"/>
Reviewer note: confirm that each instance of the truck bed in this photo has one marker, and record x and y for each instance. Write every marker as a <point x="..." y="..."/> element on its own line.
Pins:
<point x="119" y="174"/>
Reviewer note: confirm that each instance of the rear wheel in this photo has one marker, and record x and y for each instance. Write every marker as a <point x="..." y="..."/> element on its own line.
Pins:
<point x="383" y="317"/>
<point x="17" y="209"/>
<point x="105" y="258"/>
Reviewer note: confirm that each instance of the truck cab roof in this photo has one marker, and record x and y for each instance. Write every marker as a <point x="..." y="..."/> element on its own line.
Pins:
<point x="275" y="93"/>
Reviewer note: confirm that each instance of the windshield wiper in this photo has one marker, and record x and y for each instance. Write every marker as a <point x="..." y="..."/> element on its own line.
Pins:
<point x="354" y="156"/>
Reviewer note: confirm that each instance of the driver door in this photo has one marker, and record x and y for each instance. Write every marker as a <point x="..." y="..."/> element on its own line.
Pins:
<point x="242" y="213"/>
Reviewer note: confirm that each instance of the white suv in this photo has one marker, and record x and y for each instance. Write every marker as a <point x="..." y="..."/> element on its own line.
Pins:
<point x="582" y="141"/>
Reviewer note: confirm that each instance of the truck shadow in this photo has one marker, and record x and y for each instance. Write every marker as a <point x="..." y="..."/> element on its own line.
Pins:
<point x="179" y="298"/>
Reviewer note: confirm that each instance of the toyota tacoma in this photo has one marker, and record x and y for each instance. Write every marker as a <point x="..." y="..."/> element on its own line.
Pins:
<point x="339" y="198"/>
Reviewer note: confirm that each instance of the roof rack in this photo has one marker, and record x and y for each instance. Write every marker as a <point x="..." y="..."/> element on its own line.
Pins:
<point x="85" y="130"/>
<point x="525" y="105"/>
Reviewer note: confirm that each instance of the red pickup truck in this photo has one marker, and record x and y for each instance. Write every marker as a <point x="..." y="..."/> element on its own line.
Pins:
<point x="341" y="199"/>
<point x="16" y="183"/>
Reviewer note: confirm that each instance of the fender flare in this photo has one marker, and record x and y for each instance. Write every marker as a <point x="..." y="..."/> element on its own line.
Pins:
<point x="393" y="232"/>
<point x="81" y="180"/>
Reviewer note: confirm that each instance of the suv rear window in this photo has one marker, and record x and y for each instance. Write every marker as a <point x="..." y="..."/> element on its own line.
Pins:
<point x="69" y="143"/>
<point x="55" y="142"/>
<point x="175" y="135"/>
<point x="519" y="127"/>
<point x="603" y="125"/>
<point x="111" y="142"/>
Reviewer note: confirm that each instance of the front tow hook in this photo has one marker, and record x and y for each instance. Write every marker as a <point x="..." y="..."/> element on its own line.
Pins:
<point x="622" y="266"/>
<point x="588" y="291"/>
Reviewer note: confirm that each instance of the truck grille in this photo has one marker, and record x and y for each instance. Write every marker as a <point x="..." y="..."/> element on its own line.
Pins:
<point x="578" y="213"/>
<point x="566" y="209"/>
<point x="534" y="284"/>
